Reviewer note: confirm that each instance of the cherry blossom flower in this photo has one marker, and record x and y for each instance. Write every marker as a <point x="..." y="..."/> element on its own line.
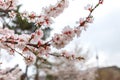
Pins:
<point x="77" y="31"/>
<point x="58" y="41"/>
<point x="82" y="23"/>
<point x="12" y="14"/>
<point x="100" y="1"/>
<point x="89" y="19"/>
<point x="2" y="4"/>
<point x="24" y="14"/>
<point x="22" y="41"/>
<point x="88" y="7"/>
<point x="30" y="59"/>
<point x="69" y="32"/>
<point x="31" y="17"/>
<point x="43" y="51"/>
<point x="36" y="37"/>
<point x="43" y="20"/>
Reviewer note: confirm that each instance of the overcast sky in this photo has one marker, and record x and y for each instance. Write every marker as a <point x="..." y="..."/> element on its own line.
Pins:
<point x="103" y="36"/>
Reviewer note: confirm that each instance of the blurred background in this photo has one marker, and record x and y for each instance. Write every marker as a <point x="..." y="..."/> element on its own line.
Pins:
<point x="99" y="43"/>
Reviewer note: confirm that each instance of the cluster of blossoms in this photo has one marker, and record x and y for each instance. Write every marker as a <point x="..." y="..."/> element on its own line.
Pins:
<point x="39" y="20"/>
<point x="60" y="40"/>
<point x="83" y="22"/>
<point x="54" y="11"/>
<point x="29" y="44"/>
<point x="44" y="18"/>
<point x="10" y="74"/>
<point x="8" y="4"/>
<point x="32" y="45"/>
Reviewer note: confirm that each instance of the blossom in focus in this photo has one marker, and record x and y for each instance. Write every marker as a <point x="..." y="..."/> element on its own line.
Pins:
<point x="31" y="17"/>
<point x="30" y="58"/>
<point x="58" y="41"/>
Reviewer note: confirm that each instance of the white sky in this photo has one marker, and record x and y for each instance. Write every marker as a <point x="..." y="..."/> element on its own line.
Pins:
<point x="103" y="35"/>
